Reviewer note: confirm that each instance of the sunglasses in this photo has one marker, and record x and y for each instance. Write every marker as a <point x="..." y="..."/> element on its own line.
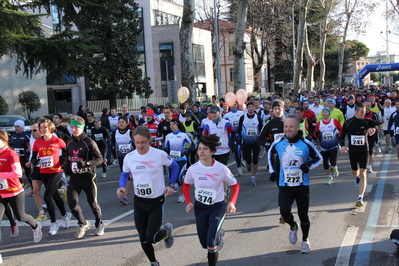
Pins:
<point x="88" y="116"/>
<point x="33" y="130"/>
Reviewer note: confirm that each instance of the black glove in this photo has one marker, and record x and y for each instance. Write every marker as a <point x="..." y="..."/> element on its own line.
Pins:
<point x="232" y="146"/>
<point x="81" y="164"/>
<point x="239" y="141"/>
<point x="62" y="161"/>
<point x="273" y="177"/>
<point x="35" y="161"/>
<point x="305" y="168"/>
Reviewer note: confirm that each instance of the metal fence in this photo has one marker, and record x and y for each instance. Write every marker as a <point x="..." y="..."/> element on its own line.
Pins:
<point x="97" y="106"/>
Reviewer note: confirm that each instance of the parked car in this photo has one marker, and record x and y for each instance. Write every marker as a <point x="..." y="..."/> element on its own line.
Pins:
<point x="7" y="123"/>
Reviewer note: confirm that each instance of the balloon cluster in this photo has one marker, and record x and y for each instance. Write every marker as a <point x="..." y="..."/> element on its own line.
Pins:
<point x="240" y="97"/>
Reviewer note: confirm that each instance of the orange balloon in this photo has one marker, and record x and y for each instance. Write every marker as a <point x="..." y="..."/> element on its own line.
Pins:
<point x="242" y="96"/>
<point x="230" y="99"/>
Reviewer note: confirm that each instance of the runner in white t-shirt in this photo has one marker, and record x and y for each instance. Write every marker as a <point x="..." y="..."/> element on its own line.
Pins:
<point x="208" y="177"/>
<point x="146" y="166"/>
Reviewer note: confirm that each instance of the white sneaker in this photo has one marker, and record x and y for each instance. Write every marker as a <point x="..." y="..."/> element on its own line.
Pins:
<point x="239" y="171"/>
<point x="181" y="199"/>
<point x="100" y="229"/>
<point x="292" y="237"/>
<point x="305" y="247"/>
<point x="53" y="229"/>
<point x="37" y="233"/>
<point x="82" y="230"/>
<point x="103" y="175"/>
<point x="66" y="220"/>
<point x="253" y="181"/>
<point x="115" y="161"/>
<point x="369" y="169"/>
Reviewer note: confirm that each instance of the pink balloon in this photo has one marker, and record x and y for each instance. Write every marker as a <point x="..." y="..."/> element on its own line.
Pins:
<point x="242" y="96"/>
<point x="230" y="99"/>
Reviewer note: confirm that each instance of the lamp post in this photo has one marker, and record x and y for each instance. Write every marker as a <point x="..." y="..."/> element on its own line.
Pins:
<point x="216" y="31"/>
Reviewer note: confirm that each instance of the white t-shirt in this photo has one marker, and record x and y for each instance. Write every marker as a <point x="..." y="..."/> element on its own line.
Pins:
<point x="387" y="114"/>
<point x="147" y="172"/>
<point x="208" y="181"/>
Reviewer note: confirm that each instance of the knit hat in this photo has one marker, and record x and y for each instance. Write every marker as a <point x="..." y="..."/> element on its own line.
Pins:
<point x="327" y="109"/>
<point x="20" y="123"/>
<point x="278" y="104"/>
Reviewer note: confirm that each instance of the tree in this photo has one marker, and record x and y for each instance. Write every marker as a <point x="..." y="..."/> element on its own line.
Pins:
<point x="303" y="10"/>
<point x="3" y="106"/>
<point x="30" y="102"/>
<point x="103" y="48"/>
<point x="239" y="45"/>
<point x="186" y="47"/>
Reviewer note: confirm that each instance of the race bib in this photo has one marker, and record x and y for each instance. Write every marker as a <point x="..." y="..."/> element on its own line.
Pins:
<point x="124" y="148"/>
<point x="205" y="195"/>
<point x="88" y="132"/>
<point x="98" y="137"/>
<point x="293" y="177"/>
<point x="278" y="136"/>
<point x="46" y="162"/>
<point x="175" y="154"/>
<point x="20" y="151"/>
<point x="328" y="136"/>
<point x="74" y="167"/>
<point x="235" y="124"/>
<point x="251" y="132"/>
<point x="144" y="189"/>
<point x="357" y="140"/>
<point x="3" y="183"/>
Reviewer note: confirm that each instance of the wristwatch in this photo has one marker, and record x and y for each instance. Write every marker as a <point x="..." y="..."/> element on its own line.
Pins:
<point x="172" y="185"/>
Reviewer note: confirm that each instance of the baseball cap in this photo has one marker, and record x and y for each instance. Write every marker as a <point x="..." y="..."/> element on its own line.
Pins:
<point x="97" y="119"/>
<point x="215" y="109"/>
<point x="175" y="105"/>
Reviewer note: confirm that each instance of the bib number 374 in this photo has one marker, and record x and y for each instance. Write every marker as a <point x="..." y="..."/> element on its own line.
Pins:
<point x="205" y="196"/>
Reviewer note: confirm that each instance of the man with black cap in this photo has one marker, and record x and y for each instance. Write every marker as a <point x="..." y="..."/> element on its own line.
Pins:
<point x="222" y="128"/>
<point x="274" y="130"/>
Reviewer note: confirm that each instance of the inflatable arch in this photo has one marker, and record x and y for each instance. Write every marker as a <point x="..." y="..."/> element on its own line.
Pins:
<point x="359" y="76"/>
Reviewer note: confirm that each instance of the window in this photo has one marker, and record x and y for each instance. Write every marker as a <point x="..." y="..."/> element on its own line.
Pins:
<point x="249" y="75"/>
<point x="167" y="63"/>
<point x="162" y="18"/>
<point x="199" y="61"/>
<point x="231" y="74"/>
<point x="231" y="49"/>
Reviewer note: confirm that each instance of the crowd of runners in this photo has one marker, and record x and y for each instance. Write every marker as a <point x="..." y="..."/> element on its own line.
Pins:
<point x="192" y="146"/>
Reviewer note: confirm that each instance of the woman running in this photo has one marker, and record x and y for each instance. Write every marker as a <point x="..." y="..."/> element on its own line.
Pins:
<point x="208" y="176"/>
<point x="47" y="150"/>
<point x="123" y="144"/>
<point x="178" y="145"/>
<point x="11" y="190"/>
<point x="146" y="166"/>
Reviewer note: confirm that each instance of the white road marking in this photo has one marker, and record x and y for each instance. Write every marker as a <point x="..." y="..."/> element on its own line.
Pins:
<point x="345" y="250"/>
<point x="73" y="222"/>
<point x="376" y="163"/>
<point x="368" y="188"/>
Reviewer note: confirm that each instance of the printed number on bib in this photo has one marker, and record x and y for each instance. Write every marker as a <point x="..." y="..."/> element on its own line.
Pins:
<point x="293" y="177"/>
<point x="46" y="162"/>
<point x="235" y="124"/>
<point x="3" y="183"/>
<point x="98" y="137"/>
<point x="74" y="167"/>
<point x="175" y="154"/>
<point x="144" y="189"/>
<point x="124" y="148"/>
<point x="251" y="132"/>
<point x="88" y="132"/>
<point x="205" y="195"/>
<point x="358" y="140"/>
<point x="278" y="136"/>
<point x="328" y="136"/>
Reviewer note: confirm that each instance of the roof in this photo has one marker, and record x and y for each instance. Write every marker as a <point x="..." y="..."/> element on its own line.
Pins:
<point x="224" y="25"/>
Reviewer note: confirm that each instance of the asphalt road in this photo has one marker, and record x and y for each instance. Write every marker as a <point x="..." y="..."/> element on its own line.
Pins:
<point x="340" y="234"/>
